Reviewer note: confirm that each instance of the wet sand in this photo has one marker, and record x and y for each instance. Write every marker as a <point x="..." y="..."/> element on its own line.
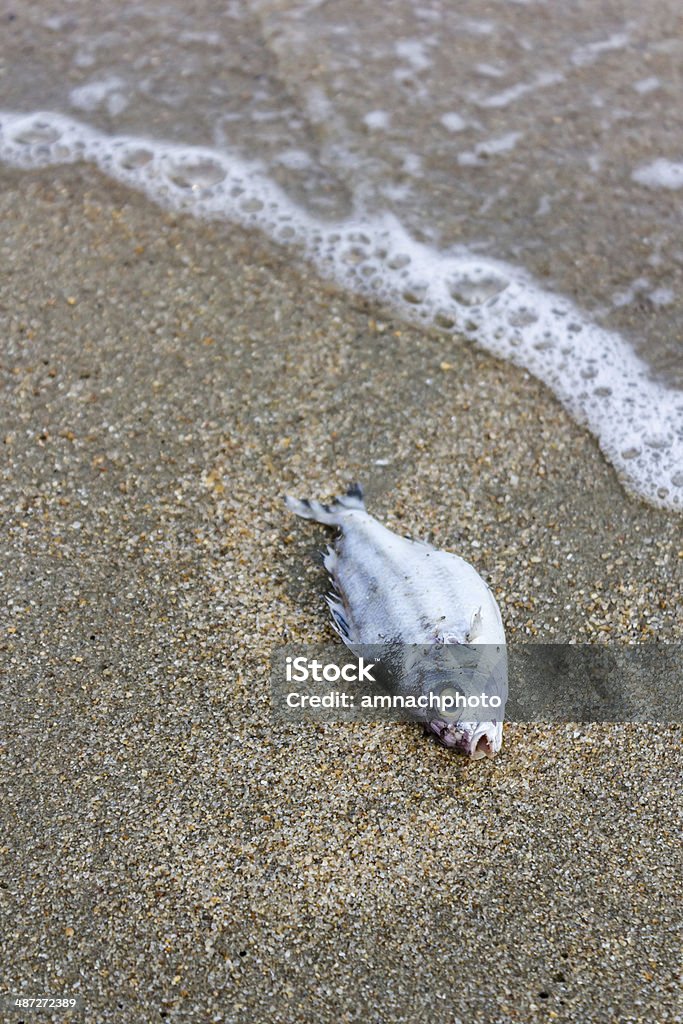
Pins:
<point x="168" y="851"/>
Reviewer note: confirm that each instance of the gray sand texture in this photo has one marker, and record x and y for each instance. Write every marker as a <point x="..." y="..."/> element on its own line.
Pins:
<point x="168" y="851"/>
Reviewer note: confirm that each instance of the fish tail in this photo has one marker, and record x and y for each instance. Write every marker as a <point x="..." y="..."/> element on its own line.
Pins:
<point x="332" y="514"/>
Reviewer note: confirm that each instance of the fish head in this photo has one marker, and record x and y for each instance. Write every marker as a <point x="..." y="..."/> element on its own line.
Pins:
<point x="454" y="671"/>
<point x="474" y="739"/>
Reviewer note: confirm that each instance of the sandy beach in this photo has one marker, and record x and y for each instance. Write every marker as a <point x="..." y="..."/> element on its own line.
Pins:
<point x="168" y="852"/>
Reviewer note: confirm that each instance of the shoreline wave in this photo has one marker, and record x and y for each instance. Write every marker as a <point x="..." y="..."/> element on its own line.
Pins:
<point x="603" y="384"/>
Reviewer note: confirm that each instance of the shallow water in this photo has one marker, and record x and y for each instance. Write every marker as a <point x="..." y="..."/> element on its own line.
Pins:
<point x="511" y="171"/>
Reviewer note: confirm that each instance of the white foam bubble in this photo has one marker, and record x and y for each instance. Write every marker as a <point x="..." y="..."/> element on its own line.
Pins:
<point x="594" y="373"/>
<point x="212" y="39"/>
<point x="107" y="92"/>
<point x="295" y="159"/>
<point x="660" y="174"/>
<point x="589" y="53"/>
<point x="477" y="27"/>
<point x="508" y="96"/>
<point x="646" y="85"/>
<point x="412" y="163"/>
<point x="453" y="122"/>
<point x="488" y="70"/>
<point x="489" y="147"/>
<point x="377" y="120"/>
<point x="415" y="52"/>
<point x="662" y="296"/>
<point x="625" y="296"/>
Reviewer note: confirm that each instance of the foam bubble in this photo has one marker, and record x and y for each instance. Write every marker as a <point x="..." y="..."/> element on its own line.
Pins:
<point x="508" y="96"/>
<point x="294" y="159"/>
<point x="489" y="147"/>
<point x="662" y="296"/>
<point x="593" y="372"/>
<point x="134" y="158"/>
<point x="584" y="55"/>
<point x="477" y="286"/>
<point x="660" y="174"/>
<point x="108" y="92"/>
<point x="377" y="120"/>
<point x="197" y="175"/>
<point x="645" y="85"/>
<point x="34" y="132"/>
<point x="414" y="51"/>
<point x="453" y="122"/>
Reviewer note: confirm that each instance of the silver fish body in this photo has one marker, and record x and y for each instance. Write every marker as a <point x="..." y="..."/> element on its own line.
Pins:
<point x="389" y="589"/>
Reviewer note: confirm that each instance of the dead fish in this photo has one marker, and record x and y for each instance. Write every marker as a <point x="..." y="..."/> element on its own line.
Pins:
<point x="388" y="588"/>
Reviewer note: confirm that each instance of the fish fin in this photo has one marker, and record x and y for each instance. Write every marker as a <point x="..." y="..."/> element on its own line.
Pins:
<point x="329" y="515"/>
<point x="338" y="613"/>
<point x="330" y="560"/>
<point x="475" y="627"/>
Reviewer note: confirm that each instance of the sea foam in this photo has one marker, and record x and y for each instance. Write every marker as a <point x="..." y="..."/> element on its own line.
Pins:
<point x="660" y="173"/>
<point x="593" y="371"/>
